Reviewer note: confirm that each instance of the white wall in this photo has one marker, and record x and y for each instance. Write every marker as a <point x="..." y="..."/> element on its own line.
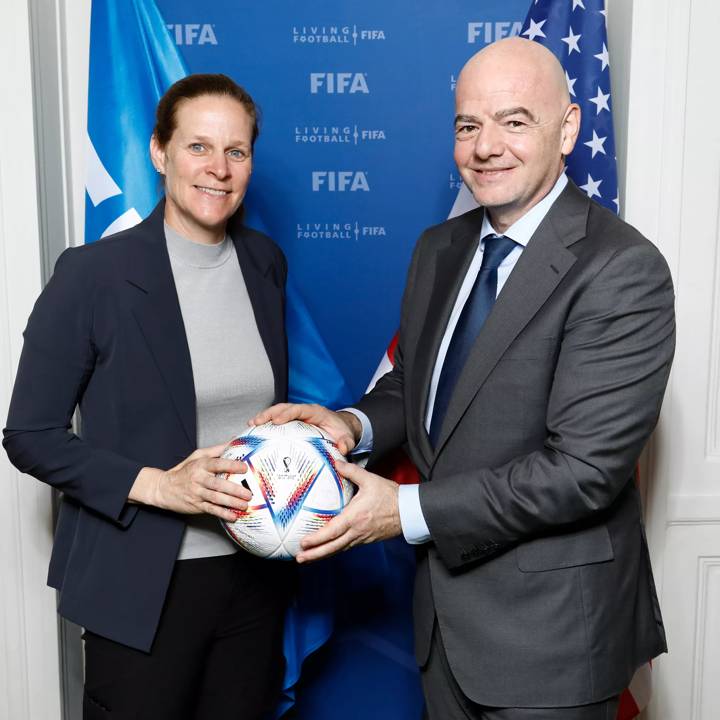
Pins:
<point x="29" y="673"/>
<point x="673" y="196"/>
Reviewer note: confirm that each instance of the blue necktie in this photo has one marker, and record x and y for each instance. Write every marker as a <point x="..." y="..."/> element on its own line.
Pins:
<point x="476" y="309"/>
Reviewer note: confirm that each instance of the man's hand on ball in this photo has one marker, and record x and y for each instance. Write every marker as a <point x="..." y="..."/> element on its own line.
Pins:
<point x="197" y="485"/>
<point x="372" y="515"/>
<point x="342" y="427"/>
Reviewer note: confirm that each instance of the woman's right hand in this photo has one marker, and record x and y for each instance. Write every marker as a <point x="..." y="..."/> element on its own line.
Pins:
<point x="197" y="485"/>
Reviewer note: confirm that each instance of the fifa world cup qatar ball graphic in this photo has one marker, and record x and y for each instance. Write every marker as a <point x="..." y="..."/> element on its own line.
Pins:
<point x="296" y="488"/>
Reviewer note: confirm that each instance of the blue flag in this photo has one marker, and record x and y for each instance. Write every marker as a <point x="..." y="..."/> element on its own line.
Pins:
<point x="133" y="61"/>
<point x="576" y="32"/>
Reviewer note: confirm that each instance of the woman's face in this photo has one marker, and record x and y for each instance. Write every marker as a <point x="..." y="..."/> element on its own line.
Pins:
<point x="206" y="164"/>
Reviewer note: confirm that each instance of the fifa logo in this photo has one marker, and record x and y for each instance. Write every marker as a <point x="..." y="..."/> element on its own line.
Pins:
<point x="286" y="462"/>
<point x="489" y="32"/>
<point x="334" y="35"/>
<point x="339" y="181"/>
<point x="338" y="83"/>
<point x="193" y="34"/>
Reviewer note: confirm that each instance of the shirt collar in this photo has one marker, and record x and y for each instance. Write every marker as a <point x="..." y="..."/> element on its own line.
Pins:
<point x="523" y="229"/>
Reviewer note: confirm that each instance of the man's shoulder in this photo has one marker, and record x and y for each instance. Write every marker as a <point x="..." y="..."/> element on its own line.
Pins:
<point x="606" y="228"/>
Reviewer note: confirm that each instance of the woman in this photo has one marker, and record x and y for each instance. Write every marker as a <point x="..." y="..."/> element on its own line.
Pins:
<point x="168" y="336"/>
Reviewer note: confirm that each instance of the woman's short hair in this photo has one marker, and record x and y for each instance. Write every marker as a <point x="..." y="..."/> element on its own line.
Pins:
<point x="198" y="85"/>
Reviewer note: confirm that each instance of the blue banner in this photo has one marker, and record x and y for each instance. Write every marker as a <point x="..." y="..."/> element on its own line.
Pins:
<point x="353" y="162"/>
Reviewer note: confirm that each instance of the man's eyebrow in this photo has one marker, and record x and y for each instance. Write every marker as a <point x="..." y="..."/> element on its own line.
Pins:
<point x="466" y="119"/>
<point x="501" y="114"/>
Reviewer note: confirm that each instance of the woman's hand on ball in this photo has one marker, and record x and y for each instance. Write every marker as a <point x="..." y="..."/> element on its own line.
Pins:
<point x="343" y="428"/>
<point x="197" y="485"/>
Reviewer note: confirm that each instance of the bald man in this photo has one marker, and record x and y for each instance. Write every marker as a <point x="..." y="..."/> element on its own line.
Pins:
<point x="535" y="344"/>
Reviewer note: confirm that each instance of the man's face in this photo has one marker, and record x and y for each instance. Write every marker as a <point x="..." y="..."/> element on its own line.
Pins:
<point x="511" y="132"/>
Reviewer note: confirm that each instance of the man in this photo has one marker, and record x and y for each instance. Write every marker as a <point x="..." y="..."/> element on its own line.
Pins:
<point x="529" y="374"/>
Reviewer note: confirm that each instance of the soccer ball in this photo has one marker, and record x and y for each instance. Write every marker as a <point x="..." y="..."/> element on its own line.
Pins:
<point x="296" y="488"/>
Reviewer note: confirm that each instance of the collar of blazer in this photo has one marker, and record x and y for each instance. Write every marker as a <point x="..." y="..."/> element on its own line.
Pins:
<point x="542" y="265"/>
<point x="160" y="318"/>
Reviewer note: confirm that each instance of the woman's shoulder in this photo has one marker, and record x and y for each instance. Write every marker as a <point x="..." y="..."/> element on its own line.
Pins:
<point x="111" y="253"/>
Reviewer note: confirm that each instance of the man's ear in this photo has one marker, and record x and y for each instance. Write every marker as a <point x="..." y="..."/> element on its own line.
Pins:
<point x="569" y="129"/>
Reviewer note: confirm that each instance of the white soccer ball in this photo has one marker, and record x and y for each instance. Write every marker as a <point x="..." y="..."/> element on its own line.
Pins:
<point x="296" y="488"/>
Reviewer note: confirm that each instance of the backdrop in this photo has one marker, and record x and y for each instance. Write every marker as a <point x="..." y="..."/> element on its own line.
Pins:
<point x="353" y="161"/>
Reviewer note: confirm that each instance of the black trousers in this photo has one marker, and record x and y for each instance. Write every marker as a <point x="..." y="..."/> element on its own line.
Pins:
<point x="444" y="700"/>
<point x="217" y="652"/>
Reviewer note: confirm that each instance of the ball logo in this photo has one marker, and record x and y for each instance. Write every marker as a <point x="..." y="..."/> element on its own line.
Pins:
<point x="339" y="181"/>
<point x="338" y="83"/>
<point x="193" y="34"/>
<point x="489" y="32"/>
<point x="286" y="462"/>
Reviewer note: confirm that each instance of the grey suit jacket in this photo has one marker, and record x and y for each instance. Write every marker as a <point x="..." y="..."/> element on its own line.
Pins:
<point x="538" y="570"/>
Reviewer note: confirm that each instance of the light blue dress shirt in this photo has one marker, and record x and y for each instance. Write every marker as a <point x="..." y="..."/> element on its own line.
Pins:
<point x="413" y="523"/>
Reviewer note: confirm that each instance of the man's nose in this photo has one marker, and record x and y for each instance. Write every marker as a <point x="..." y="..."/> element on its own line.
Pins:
<point x="488" y="141"/>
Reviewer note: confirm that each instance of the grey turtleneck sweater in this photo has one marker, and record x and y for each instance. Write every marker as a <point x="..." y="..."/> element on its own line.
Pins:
<point x="232" y="373"/>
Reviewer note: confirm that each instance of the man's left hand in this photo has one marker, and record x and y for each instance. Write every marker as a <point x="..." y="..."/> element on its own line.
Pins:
<point x="370" y="516"/>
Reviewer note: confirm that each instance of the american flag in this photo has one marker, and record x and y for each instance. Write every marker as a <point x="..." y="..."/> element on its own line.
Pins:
<point x="576" y="32"/>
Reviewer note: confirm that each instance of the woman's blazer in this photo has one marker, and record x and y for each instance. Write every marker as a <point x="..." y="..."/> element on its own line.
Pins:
<point x="107" y="335"/>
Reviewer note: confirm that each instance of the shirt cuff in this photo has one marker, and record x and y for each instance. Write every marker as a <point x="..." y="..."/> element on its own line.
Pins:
<point x="412" y="520"/>
<point x="365" y="443"/>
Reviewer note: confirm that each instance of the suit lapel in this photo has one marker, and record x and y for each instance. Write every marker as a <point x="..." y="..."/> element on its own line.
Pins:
<point x="157" y="312"/>
<point x="451" y="264"/>
<point x="267" y="300"/>
<point x="541" y="267"/>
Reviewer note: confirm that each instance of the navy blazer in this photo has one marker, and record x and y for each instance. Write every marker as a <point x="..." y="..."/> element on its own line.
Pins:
<point x="107" y="335"/>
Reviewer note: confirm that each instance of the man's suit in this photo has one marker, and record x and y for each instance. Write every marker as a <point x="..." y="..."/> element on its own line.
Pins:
<point x="107" y="333"/>
<point x="538" y="572"/>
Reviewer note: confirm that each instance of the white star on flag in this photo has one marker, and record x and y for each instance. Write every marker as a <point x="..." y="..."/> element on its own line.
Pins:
<point x="601" y="101"/>
<point x="571" y="84"/>
<point x="535" y="29"/>
<point x="573" y="32"/>
<point x="596" y="144"/>
<point x="572" y="41"/>
<point x="591" y="187"/>
<point x="603" y="57"/>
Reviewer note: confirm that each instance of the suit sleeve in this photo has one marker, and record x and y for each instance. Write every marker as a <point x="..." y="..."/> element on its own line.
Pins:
<point x="56" y="364"/>
<point x="612" y="369"/>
